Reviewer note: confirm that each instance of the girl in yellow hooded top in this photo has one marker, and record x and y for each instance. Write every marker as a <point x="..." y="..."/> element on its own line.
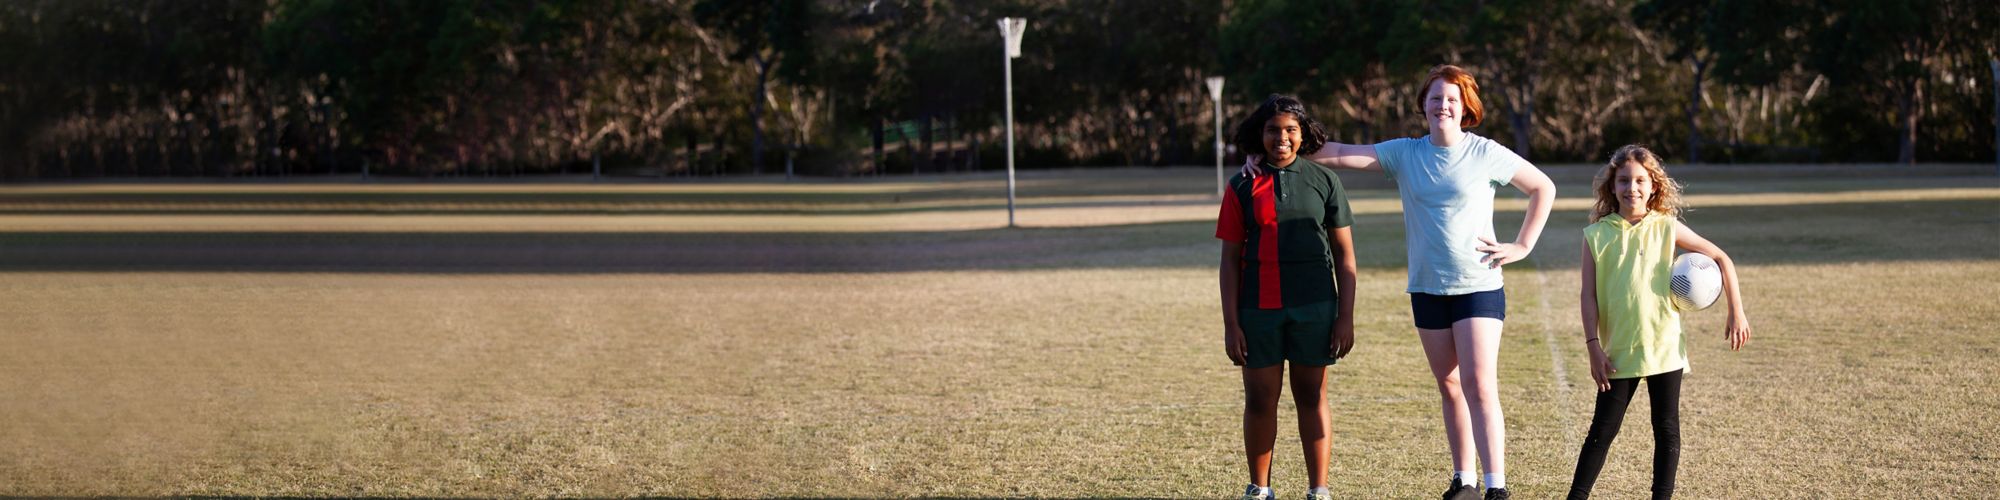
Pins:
<point x="1629" y="323"/>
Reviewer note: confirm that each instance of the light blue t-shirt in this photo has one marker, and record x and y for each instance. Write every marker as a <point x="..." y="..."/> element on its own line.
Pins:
<point x="1447" y="205"/>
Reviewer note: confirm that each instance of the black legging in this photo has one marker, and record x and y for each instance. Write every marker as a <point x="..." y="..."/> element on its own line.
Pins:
<point x="1664" y="390"/>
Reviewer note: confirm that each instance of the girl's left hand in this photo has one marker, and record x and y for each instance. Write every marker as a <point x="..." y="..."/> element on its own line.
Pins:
<point x="1500" y="254"/>
<point x="1738" y="331"/>
<point x="1343" y="338"/>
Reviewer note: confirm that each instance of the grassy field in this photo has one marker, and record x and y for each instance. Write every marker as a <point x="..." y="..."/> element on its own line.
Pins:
<point x="890" y="338"/>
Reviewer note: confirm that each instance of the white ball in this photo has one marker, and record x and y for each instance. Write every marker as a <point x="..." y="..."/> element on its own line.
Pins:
<point x="1697" y="282"/>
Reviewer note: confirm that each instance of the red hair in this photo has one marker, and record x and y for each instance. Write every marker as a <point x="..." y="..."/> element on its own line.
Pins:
<point x="1467" y="88"/>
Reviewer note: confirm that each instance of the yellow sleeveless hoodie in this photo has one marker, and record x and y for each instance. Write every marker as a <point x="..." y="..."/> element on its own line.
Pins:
<point x="1636" y="321"/>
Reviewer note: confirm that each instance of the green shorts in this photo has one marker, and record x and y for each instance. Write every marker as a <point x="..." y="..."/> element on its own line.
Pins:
<point x="1300" y="334"/>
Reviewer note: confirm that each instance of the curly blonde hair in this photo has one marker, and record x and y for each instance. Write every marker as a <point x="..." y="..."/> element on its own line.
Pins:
<point x="1666" y="198"/>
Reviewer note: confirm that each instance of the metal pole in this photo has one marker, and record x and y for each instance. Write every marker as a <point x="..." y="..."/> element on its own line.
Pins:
<point x="1215" y="94"/>
<point x="1008" y="63"/>
<point x="1011" y="29"/>
<point x="1995" y="64"/>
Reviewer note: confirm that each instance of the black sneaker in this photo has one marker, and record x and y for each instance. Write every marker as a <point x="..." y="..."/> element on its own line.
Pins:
<point x="1496" y="494"/>
<point x="1461" y="492"/>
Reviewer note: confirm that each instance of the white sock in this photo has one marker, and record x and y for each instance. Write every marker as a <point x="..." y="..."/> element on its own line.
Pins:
<point x="1319" y="491"/>
<point x="1496" y="480"/>
<point x="1463" y="478"/>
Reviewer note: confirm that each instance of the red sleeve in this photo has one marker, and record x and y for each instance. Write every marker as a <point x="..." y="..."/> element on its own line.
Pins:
<point x="1229" y="224"/>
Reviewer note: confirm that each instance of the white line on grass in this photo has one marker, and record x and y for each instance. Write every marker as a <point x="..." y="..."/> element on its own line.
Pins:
<point x="1555" y="354"/>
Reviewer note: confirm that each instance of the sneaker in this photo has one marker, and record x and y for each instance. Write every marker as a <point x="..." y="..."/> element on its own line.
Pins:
<point x="1252" y="492"/>
<point x="1496" y="494"/>
<point x="1461" y="492"/>
<point x="1318" y="496"/>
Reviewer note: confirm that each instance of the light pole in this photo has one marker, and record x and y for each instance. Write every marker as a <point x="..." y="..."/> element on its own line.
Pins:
<point x="1011" y="28"/>
<point x="1215" y="94"/>
<point x="1995" y="64"/>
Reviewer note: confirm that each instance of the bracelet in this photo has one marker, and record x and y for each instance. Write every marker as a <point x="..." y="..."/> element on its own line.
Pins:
<point x="1589" y="340"/>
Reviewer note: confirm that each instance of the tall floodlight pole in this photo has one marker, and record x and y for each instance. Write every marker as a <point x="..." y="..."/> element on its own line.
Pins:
<point x="1215" y="94"/>
<point x="1011" y="28"/>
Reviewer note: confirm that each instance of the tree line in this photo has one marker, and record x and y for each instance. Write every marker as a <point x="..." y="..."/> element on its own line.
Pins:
<point x="666" y="88"/>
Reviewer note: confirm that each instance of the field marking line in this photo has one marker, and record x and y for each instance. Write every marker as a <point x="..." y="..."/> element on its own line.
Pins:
<point x="1555" y="353"/>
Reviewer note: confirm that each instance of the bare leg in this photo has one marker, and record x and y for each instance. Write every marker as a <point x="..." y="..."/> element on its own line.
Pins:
<point x="1442" y="353"/>
<point x="1478" y="342"/>
<point x="1261" y="388"/>
<point x="1315" y="420"/>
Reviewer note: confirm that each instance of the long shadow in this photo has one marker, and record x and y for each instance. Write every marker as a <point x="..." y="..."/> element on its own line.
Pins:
<point x="1820" y="233"/>
<point x="1153" y="245"/>
<point x="269" y="204"/>
<point x="890" y="208"/>
<point x="1885" y="231"/>
<point x="219" y="497"/>
<point x="361" y="197"/>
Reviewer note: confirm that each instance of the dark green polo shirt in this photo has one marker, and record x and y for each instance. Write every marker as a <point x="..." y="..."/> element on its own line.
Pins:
<point x="1281" y="217"/>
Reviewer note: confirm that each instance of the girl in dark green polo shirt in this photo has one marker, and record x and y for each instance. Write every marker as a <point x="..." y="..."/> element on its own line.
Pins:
<point x="1287" y="276"/>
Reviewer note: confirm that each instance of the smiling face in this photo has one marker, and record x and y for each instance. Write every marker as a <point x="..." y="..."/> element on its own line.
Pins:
<point x="1282" y="136"/>
<point x="1633" y="186"/>
<point x="1444" y="104"/>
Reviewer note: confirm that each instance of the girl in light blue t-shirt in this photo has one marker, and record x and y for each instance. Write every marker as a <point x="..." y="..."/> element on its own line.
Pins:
<point x="1447" y="180"/>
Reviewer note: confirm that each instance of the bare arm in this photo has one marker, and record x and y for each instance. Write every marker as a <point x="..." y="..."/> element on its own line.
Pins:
<point x="1347" y="156"/>
<point x="1600" y="365"/>
<point x="1344" y="268"/>
<point x="1541" y="198"/>
<point x="1232" y="280"/>
<point x="1737" y="330"/>
<point x="1333" y="155"/>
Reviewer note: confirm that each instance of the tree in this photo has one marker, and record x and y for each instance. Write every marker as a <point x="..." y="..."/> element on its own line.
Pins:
<point x="767" y="34"/>
<point x="1515" y="37"/>
<point x="1684" y="26"/>
<point x="1354" y="60"/>
<point x="1911" y="44"/>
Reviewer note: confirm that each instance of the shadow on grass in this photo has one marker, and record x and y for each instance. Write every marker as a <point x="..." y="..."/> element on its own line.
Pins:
<point x="1755" y="235"/>
<point x="3" y="497"/>
<point x="878" y="208"/>
<point x="1150" y="245"/>
<point x="1880" y="231"/>
<point x="1141" y="245"/>
<point x="445" y="199"/>
<point x="570" y="203"/>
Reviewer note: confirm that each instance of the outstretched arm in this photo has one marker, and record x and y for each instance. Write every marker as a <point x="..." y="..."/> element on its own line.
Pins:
<point x="1347" y="156"/>
<point x="1333" y="155"/>
<point x="1541" y="197"/>
<point x="1737" y="331"/>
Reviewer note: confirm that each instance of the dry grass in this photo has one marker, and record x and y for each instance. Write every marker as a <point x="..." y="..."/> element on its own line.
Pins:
<point x="873" y="351"/>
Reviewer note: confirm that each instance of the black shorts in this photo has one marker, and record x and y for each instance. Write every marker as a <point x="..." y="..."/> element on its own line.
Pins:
<point x="1438" y="312"/>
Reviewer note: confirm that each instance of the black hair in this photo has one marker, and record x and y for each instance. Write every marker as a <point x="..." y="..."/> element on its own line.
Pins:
<point x="1249" y="138"/>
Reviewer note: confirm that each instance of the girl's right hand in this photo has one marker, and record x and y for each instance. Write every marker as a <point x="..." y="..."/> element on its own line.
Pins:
<point x="1232" y="344"/>
<point x="1249" y="169"/>
<point x="1600" y="367"/>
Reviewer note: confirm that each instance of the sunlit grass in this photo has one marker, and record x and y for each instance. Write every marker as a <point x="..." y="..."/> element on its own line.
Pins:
<point x="1058" y="362"/>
